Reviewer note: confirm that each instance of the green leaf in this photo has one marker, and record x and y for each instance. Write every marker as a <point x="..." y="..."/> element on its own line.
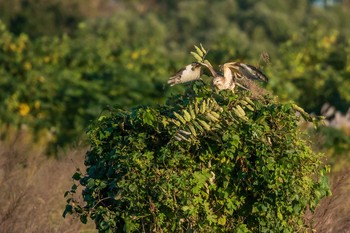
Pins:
<point x="76" y="176"/>
<point x="83" y="218"/>
<point x="196" y="56"/>
<point x="203" y="50"/>
<point x="66" y="193"/>
<point x="199" y="52"/>
<point x="222" y="220"/>
<point x="179" y="117"/>
<point x="279" y="215"/>
<point x="68" y="210"/>
<point x="148" y="118"/>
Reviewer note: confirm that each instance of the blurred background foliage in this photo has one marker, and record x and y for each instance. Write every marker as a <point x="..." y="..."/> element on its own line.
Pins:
<point x="62" y="62"/>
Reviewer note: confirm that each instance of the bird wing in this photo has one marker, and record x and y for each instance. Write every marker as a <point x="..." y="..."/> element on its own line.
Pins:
<point x="227" y="70"/>
<point x="247" y="71"/>
<point x="210" y="67"/>
<point x="189" y="73"/>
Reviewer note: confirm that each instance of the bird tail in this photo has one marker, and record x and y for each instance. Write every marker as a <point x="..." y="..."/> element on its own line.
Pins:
<point x="255" y="73"/>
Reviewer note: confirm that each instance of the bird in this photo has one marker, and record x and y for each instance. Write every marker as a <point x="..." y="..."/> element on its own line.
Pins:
<point x="222" y="80"/>
<point x="243" y="73"/>
<point x="231" y="74"/>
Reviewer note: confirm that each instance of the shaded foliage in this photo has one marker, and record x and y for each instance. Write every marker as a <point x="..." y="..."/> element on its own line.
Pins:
<point x="60" y="84"/>
<point x="316" y="67"/>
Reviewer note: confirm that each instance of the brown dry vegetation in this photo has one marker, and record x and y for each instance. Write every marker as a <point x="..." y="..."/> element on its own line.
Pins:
<point x="333" y="213"/>
<point x="32" y="187"/>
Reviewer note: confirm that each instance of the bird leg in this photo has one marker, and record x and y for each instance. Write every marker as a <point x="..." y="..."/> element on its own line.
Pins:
<point x="241" y="86"/>
<point x="238" y="76"/>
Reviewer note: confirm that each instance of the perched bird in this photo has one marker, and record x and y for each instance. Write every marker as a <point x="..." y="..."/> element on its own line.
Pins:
<point x="232" y="74"/>
<point x="223" y="81"/>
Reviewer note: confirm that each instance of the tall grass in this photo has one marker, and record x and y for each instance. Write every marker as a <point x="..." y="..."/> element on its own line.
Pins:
<point x="32" y="187"/>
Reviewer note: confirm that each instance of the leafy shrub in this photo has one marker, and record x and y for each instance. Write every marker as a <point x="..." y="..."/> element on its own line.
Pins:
<point x="206" y="161"/>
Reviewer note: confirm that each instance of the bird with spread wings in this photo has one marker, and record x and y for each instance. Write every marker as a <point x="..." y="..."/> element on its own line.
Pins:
<point x="231" y="74"/>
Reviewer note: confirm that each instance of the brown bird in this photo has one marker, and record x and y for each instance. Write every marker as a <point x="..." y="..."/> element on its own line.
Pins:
<point x="223" y="81"/>
<point x="243" y="73"/>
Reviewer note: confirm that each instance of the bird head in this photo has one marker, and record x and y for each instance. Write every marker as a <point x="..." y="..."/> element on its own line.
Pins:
<point x="219" y="82"/>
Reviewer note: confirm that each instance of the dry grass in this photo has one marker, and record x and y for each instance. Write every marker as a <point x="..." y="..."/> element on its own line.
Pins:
<point x="32" y="188"/>
<point x="333" y="213"/>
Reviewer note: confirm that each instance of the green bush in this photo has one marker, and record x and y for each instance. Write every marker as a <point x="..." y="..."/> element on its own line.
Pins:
<point x="206" y="161"/>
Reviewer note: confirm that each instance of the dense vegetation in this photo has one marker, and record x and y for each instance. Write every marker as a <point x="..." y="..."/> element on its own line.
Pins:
<point x="57" y="76"/>
<point x="204" y="162"/>
<point x="63" y="62"/>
